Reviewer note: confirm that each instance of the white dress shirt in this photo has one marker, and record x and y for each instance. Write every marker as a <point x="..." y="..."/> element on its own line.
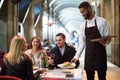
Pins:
<point x="102" y="27"/>
<point x="62" y="50"/>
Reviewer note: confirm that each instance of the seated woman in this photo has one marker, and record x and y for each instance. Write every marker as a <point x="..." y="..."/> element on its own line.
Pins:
<point x="16" y="62"/>
<point x="37" y="54"/>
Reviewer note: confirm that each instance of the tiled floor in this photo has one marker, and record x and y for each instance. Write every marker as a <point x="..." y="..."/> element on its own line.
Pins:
<point x="113" y="72"/>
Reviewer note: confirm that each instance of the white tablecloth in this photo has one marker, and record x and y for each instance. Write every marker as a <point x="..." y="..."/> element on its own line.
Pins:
<point x="61" y="73"/>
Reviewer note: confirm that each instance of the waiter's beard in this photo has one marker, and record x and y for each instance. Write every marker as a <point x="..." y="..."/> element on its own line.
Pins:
<point x="87" y="15"/>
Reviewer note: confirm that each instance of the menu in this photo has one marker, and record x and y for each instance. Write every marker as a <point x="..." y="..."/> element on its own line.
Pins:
<point x="104" y="38"/>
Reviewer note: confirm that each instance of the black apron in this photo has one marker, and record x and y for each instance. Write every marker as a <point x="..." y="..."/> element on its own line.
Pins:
<point x="95" y="54"/>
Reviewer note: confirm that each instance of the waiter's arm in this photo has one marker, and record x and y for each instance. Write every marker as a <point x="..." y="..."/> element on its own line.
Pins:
<point x="105" y="32"/>
<point x="82" y="44"/>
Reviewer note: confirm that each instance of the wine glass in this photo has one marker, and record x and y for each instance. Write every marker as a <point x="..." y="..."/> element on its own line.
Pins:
<point x="52" y="65"/>
<point x="52" y="56"/>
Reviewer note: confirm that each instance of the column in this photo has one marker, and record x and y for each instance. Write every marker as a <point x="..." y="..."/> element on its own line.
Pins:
<point x="28" y="25"/>
<point x="103" y="8"/>
<point x="116" y="30"/>
<point x="11" y="22"/>
<point x="39" y="26"/>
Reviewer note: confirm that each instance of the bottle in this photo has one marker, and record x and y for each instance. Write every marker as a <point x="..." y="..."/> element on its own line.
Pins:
<point x="43" y="62"/>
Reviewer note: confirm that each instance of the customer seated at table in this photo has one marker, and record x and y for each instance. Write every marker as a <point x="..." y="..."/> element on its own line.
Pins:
<point x="37" y="54"/>
<point x="63" y="52"/>
<point x="47" y="44"/>
<point x="16" y="62"/>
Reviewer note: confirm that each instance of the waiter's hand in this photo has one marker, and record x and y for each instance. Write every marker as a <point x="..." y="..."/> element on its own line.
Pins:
<point x="74" y="60"/>
<point x="104" y="41"/>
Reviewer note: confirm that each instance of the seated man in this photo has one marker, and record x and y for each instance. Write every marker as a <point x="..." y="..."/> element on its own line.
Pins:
<point x="63" y="52"/>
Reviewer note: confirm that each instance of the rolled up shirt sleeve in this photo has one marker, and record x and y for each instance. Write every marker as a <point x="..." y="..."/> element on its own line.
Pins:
<point x="103" y="27"/>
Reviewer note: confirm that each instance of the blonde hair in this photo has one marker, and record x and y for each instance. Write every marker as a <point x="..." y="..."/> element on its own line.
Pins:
<point x="16" y="51"/>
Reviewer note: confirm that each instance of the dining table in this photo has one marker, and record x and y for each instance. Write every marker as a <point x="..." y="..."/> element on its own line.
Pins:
<point x="62" y="74"/>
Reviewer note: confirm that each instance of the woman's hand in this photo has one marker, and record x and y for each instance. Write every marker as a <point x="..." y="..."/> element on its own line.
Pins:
<point x="50" y="61"/>
<point x="42" y="70"/>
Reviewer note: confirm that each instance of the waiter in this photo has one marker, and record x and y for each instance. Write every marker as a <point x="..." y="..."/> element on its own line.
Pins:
<point x="95" y="54"/>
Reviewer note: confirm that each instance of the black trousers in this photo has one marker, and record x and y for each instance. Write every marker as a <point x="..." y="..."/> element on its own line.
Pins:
<point x="101" y="74"/>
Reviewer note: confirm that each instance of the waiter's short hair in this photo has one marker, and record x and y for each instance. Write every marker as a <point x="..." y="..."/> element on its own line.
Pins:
<point x="85" y="5"/>
<point x="61" y="34"/>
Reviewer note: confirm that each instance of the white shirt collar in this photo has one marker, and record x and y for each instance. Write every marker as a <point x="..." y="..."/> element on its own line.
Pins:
<point x="93" y="19"/>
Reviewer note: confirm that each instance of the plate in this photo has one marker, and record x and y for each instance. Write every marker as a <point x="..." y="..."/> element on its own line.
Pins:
<point x="66" y="65"/>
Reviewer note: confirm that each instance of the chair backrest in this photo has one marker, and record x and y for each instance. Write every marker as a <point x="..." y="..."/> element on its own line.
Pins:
<point x="1" y="57"/>
<point x="9" y="78"/>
